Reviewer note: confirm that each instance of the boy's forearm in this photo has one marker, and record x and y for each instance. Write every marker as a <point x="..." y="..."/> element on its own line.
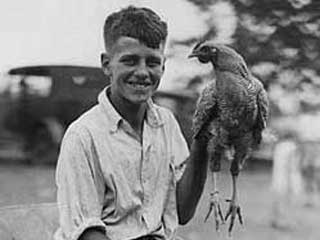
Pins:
<point x="190" y="186"/>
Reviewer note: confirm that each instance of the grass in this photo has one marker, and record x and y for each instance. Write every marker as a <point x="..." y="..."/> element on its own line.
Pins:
<point x="21" y="184"/>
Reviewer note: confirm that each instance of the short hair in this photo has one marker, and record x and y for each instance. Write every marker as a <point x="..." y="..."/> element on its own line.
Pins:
<point x="142" y="24"/>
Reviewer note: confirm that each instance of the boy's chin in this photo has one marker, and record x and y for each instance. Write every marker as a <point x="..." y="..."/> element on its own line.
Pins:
<point x="140" y="99"/>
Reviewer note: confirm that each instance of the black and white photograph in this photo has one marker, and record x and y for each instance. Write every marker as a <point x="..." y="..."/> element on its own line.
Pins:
<point x="159" y="120"/>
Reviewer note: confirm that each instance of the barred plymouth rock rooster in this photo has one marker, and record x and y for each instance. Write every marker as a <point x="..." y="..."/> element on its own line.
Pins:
<point x="233" y="110"/>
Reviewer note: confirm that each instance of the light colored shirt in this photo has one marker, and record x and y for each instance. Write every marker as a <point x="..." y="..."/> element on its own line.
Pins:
<point x="106" y="178"/>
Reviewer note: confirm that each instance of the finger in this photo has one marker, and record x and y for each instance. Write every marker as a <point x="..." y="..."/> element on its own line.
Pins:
<point x="240" y="216"/>
<point x="208" y="214"/>
<point x="217" y="224"/>
<point x="216" y="212"/>
<point x="228" y="214"/>
<point x="206" y="218"/>
<point x="220" y="214"/>
<point x="231" y="223"/>
<point x="216" y="217"/>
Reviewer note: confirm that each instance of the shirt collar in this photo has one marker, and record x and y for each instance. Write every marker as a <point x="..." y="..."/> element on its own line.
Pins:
<point x="152" y="117"/>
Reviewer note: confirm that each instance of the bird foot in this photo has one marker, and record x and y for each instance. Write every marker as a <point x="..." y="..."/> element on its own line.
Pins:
<point x="215" y="207"/>
<point x="233" y="211"/>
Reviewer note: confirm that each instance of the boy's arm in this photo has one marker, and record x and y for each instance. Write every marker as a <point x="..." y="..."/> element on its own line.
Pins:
<point x="190" y="169"/>
<point x="80" y="187"/>
<point x="191" y="184"/>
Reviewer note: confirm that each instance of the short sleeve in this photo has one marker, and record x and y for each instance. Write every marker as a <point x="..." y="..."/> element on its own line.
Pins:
<point x="180" y="150"/>
<point x="79" y="188"/>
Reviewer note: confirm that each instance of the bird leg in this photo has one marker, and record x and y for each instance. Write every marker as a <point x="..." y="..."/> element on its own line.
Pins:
<point x="214" y="204"/>
<point x="234" y="208"/>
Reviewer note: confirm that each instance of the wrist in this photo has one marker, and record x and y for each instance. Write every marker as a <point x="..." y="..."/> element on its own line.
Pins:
<point x="201" y="141"/>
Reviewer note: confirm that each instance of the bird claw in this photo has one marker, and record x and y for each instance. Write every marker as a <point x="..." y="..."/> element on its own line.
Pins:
<point x="233" y="211"/>
<point x="215" y="207"/>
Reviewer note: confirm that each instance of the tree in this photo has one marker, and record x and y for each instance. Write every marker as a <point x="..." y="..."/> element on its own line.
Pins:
<point x="280" y="41"/>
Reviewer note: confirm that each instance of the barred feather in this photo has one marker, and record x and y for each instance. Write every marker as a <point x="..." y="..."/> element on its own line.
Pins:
<point x="234" y="107"/>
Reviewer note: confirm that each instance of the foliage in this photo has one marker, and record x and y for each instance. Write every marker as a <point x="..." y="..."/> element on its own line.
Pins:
<point x="280" y="41"/>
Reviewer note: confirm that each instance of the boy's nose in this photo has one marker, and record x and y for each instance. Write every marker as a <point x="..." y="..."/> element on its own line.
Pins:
<point x="142" y="71"/>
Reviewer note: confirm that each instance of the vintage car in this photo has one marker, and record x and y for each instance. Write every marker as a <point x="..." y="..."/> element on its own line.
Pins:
<point x="37" y="103"/>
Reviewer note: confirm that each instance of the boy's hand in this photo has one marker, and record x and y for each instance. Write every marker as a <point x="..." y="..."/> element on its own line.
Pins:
<point x="93" y="234"/>
<point x="204" y="135"/>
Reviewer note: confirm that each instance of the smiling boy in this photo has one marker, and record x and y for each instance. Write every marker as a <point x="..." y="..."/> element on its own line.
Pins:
<point x="124" y="169"/>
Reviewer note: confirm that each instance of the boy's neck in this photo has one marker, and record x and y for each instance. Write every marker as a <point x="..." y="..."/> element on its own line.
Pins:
<point x="133" y="113"/>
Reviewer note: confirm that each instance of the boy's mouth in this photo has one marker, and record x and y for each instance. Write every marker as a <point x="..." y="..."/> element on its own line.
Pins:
<point x="139" y="85"/>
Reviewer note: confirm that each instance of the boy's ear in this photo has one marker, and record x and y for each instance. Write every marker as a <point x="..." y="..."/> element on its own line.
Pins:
<point x="105" y="60"/>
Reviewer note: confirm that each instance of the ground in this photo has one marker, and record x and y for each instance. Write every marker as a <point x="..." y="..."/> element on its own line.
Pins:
<point x="22" y="184"/>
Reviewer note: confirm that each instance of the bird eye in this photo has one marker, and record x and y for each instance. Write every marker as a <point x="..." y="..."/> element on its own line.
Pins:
<point x="205" y="49"/>
<point x="213" y="49"/>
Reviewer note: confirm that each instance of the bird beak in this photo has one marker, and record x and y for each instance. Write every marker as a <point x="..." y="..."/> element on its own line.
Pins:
<point x="193" y="54"/>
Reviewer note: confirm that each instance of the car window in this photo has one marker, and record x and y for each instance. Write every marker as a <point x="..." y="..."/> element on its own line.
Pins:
<point x="37" y="85"/>
<point x="16" y="85"/>
<point x="88" y="82"/>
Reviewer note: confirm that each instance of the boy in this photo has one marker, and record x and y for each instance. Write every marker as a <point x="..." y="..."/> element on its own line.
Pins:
<point x="124" y="170"/>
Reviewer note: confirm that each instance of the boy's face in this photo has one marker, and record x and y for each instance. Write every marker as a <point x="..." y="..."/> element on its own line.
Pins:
<point x="135" y="70"/>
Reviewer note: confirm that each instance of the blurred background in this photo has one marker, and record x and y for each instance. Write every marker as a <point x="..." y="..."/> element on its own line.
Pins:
<point x="50" y="74"/>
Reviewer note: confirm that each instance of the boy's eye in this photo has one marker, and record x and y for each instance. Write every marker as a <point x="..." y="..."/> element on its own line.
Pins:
<point x="153" y="62"/>
<point x="128" y="61"/>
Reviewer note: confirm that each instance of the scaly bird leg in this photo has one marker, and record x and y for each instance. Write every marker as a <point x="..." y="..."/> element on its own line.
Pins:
<point x="234" y="208"/>
<point x="215" y="203"/>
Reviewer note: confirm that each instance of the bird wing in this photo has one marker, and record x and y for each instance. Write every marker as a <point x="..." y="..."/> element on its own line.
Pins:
<point x="206" y="109"/>
<point x="262" y="113"/>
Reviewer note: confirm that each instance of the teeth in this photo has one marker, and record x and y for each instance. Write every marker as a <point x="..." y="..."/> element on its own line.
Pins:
<point x="139" y="84"/>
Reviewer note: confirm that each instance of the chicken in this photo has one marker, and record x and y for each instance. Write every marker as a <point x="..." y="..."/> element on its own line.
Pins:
<point x="233" y="109"/>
